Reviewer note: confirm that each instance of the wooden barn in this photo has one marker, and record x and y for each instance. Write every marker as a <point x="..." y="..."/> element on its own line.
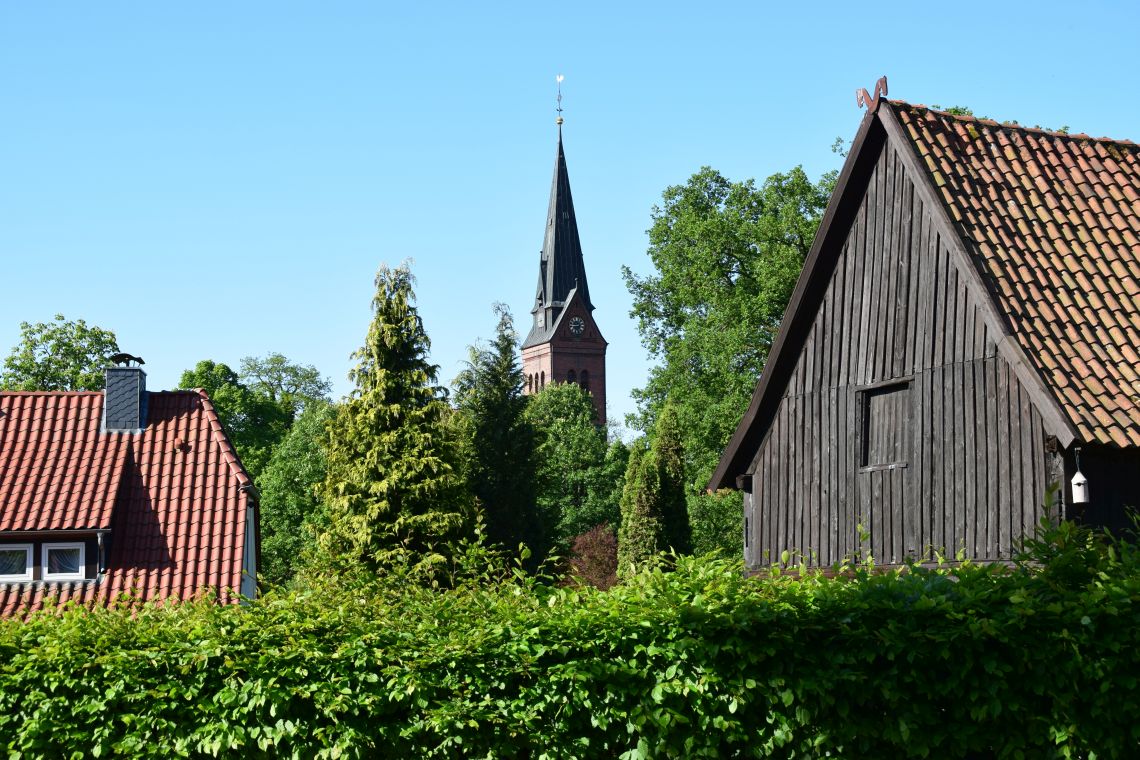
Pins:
<point x="965" y="327"/>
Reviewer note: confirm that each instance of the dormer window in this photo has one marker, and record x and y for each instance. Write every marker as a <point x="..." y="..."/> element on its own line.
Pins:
<point x="15" y="563"/>
<point x="64" y="561"/>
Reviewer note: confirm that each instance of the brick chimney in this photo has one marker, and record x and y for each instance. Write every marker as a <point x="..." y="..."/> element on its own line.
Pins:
<point x="124" y="397"/>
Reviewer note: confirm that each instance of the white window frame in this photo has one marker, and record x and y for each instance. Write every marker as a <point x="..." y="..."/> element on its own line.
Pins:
<point x="82" y="574"/>
<point x="28" y="566"/>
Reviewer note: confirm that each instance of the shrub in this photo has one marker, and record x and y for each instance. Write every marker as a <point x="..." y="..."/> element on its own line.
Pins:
<point x="593" y="557"/>
<point x="1024" y="661"/>
<point x="718" y="522"/>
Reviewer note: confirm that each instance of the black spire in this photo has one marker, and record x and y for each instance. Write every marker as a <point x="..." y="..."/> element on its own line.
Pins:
<point x="561" y="267"/>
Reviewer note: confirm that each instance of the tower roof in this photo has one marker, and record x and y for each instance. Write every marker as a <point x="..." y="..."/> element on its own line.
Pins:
<point x="561" y="267"/>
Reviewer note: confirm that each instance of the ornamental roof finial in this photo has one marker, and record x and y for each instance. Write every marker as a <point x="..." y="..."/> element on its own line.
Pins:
<point x="871" y="102"/>
<point x="558" y="120"/>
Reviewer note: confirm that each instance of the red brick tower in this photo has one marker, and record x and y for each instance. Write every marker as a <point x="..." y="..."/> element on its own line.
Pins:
<point x="564" y="344"/>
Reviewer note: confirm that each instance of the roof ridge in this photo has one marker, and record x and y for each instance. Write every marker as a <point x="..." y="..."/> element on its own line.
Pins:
<point x="51" y="393"/>
<point x="229" y="453"/>
<point x="173" y="392"/>
<point x="1082" y="136"/>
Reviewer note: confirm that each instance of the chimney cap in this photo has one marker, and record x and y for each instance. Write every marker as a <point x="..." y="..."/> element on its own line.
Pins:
<point x="125" y="360"/>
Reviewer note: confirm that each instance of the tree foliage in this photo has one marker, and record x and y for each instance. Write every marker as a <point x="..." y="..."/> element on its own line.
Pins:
<point x="292" y="513"/>
<point x="1037" y="660"/>
<point x="392" y="489"/>
<point x="717" y="521"/>
<point x="498" y="440"/>
<point x="726" y="256"/>
<point x="654" y="513"/>
<point x="287" y="384"/>
<point x="576" y="477"/>
<point x="641" y="533"/>
<point x="593" y="558"/>
<point x="254" y="423"/>
<point x="61" y="355"/>
<point x="670" y="455"/>
<point x="257" y="406"/>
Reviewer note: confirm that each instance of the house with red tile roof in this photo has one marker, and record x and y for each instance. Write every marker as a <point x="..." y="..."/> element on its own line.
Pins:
<point x="121" y="492"/>
<point x="964" y="335"/>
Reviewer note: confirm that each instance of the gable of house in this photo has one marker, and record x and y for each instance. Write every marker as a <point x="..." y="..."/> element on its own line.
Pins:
<point x="165" y="513"/>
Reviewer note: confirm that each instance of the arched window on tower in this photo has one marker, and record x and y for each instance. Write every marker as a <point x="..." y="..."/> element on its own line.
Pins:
<point x="584" y="381"/>
<point x="529" y="383"/>
<point x="570" y="377"/>
<point x="542" y="379"/>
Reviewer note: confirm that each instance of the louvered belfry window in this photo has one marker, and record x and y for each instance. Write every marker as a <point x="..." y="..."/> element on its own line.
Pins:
<point x="886" y="426"/>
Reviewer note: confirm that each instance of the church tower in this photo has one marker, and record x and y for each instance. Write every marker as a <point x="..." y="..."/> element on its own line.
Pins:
<point x="564" y="344"/>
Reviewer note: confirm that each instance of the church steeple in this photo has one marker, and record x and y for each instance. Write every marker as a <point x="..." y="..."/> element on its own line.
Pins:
<point x="564" y="344"/>
<point x="561" y="268"/>
<point x="561" y="248"/>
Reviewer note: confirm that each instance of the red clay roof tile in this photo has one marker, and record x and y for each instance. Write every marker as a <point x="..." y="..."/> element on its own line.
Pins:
<point x="1067" y="188"/>
<point x="58" y="471"/>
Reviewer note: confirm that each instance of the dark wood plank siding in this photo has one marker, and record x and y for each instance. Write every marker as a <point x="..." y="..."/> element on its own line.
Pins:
<point x="897" y="315"/>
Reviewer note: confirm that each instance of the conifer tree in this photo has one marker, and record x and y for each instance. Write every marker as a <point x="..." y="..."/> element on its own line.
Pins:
<point x="498" y="441"/>
<point x="654" y="513"/>
<point x="392" y="489"/>
<point x="641" y="533"/>
<point x="670" y="454"/>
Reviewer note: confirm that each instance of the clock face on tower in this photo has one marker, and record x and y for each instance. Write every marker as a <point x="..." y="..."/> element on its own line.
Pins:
<point x="577" y="325"/>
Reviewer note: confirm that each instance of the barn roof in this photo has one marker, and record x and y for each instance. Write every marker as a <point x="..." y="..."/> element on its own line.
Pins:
<point x="173" y="496"/>
<point x="1053" y="222"/>
<point x="1049" y="224"/>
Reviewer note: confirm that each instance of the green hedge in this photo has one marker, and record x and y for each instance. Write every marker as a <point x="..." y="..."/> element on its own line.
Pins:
<point x="697" y="662"/>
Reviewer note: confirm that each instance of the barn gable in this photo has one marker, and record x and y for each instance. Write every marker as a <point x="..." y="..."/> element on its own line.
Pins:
<point x="898" y="360"/>
<point x="904" y="406"/>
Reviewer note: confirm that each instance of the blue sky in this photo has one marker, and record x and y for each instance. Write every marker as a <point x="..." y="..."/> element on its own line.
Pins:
<point x="217" y="180"/>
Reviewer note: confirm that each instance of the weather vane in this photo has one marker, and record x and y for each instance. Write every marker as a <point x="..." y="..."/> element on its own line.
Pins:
<point x="558" y="120"/>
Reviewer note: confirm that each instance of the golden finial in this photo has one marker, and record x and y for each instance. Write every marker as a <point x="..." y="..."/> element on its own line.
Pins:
<point x="558" y="120"/>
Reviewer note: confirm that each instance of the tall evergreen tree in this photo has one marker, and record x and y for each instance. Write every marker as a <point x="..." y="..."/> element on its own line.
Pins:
<point x="392" y="489"/>
<point x="670" y="455"/>
<point x="654" y="514"/>
<point x="498" y="440"/>
<point x="642" y="531"/>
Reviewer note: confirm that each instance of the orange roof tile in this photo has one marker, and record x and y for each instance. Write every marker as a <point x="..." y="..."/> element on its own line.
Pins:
<point x="166" y="495"/>
<point x="1085" y="193"/>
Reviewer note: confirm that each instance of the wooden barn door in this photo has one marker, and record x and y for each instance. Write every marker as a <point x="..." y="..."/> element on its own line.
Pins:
<point x="885" y="468"/>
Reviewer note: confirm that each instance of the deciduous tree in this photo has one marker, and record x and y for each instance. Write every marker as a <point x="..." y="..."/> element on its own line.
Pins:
<point x="254" y="423"/>
<point x="726" y="256"/>
<point x="717" y="522"/>
<point x="286" y="383"/>
<point x="575" y="484"/>
<point x="292" y="513"/>
<point x="61" y="355"/>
